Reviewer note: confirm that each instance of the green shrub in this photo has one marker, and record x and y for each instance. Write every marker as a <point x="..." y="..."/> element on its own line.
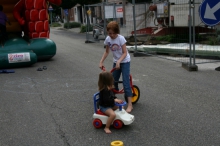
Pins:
<point x="218" y="38"/>
<point x="72" y="25"/>
<point x="168" y="38"/>
<point x="85" y="27"/>
<point x="213" y="40"/>
<point x="218" y="32"/>
<point x="180" y="38"/>
<point x="55" y="24"/>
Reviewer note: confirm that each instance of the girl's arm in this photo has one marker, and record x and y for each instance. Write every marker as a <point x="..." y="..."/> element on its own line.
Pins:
<point x="104" y="56"/>
<point x="124" y="51"/>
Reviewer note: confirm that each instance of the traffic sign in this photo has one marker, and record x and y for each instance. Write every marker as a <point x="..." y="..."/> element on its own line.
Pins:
<point x="89" y="12"/>
<point x="66" y="11"/>
<point x="50" y="8"/>
<point x="209" y="12"/>
<point x="119" y="9"/>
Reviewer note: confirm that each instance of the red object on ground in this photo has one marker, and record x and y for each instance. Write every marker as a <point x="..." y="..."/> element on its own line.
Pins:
<point x="147" y="30"/>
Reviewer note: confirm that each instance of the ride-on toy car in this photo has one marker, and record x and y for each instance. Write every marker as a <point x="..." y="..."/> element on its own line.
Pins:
<point x="122" y="117"/>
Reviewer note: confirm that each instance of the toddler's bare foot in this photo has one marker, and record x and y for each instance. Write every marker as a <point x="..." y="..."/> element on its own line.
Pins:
<point x="129" y="109"/>
<point x="107" y="130"/>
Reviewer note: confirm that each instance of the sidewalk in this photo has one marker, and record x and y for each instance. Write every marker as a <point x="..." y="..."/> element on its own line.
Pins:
<point x="77" y="30"/>
<point x="123" y="30"/>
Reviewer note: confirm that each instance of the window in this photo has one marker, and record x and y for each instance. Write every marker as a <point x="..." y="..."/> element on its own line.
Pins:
<point x="75" y="10"/>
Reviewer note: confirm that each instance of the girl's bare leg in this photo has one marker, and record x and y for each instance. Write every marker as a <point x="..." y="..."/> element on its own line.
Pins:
<point x="111" y="116"/>
<point x="114" y="108"/>
<point x="130" y="107"/>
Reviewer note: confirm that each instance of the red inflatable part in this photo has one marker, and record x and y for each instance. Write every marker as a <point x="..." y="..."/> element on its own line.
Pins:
<point x="33" y="17"/>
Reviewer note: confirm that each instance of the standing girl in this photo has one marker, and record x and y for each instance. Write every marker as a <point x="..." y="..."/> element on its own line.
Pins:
<point x="121" y="59"/>
<point x="106" y="98"/>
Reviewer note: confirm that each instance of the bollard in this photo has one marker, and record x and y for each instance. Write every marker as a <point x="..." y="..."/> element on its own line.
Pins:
<point x="117" y="143"/>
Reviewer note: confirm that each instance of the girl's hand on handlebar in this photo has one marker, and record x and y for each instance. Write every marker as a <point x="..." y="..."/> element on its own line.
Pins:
<point x="101" y="66"/>
<point x="117" y="65"/>
<point x="119" y="100"/>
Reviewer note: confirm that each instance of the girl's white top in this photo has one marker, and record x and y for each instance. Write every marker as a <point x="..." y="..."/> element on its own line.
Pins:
<point x="115" y="46"/>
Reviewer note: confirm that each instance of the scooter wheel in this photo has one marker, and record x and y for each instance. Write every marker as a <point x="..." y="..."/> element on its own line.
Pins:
<point x="136" y="95"/>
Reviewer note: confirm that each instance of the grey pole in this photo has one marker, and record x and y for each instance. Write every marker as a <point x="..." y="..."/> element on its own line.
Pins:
<point x="194" y="34"/>
<point x="124" y="19"/>
<point x="86" y="22"/>
<point x="145" y="16"/>
<point x="114" y="12"/>
<point x="68" y="20"/>
<point x="191" y="67"/>
<point x="133" y="2"/>
<point x="104" y="19"/>
<point x="190" y="34"/>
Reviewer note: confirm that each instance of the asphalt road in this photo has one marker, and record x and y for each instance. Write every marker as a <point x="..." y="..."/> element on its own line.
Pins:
<point x="54" y="107"/>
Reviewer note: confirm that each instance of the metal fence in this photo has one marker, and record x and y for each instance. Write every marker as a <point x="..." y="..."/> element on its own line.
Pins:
<point x="98" y="16"/>
<point x="179" y="33"/>
<point x="171" y="29"/>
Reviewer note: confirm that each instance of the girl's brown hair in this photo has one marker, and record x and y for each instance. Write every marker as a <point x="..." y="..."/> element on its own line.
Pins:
<point x="113" y="25"/>
<point x="105" y="80"/>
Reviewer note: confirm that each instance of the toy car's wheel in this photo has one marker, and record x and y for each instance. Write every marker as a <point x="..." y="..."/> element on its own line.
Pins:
<point x="97" y="123"/>
<point x="136" y="95"/>
<point x="117" y="124"/>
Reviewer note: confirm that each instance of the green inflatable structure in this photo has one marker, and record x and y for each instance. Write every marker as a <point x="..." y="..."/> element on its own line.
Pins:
<point x="17" y="58"/>
<point x="18" y="52"/>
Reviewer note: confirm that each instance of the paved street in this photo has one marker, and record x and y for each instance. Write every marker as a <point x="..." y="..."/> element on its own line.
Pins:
<point x="54" y="107"/>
